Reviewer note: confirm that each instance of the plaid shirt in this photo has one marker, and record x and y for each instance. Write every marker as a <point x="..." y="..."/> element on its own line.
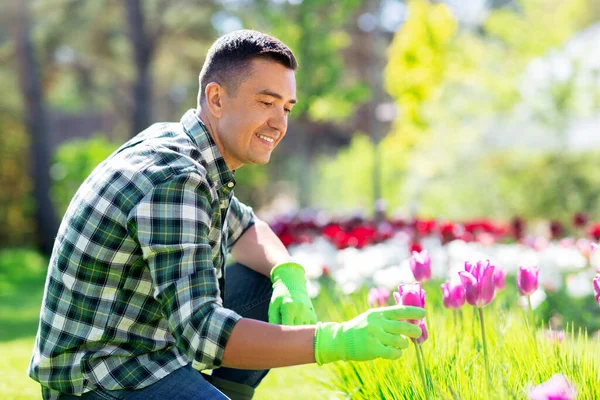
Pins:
<point x="132" y="292"/>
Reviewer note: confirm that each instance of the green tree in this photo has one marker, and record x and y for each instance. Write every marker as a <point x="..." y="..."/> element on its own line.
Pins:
<point x="453" y="87"/>
<point x="453" y="172"/>
<point x="36" y="123"/>
<point x="417" y="62"/>
<point x="73" y="162"/>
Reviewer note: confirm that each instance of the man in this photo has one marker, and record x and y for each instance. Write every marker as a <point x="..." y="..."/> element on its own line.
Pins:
<point x="137" y="300"/>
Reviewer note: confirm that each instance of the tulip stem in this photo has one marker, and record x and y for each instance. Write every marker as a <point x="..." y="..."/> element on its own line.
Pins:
<point x="485" y="352"/>
<point x="421" y="370"/>
<point x="532" y="320"/>
<point x="420" y="348"/>
<point x="473" y="321"/>
<point x="461" y="327"/>
<point x="531" y="314"/>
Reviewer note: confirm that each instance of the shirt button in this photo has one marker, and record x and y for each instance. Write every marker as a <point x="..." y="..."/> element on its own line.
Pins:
<point x="230" y="185"/>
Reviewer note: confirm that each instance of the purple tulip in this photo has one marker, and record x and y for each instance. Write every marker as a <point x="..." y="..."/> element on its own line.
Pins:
<point x="527" y="280"/>
<point x="478" y="281"/>
<point x="378" y="297"/>
<point x="410" y="295"/>
<point x="420" y="265"/>
<point x="499" y="279"/>
<point x="453" y="294"/>
<point x="425" y="334"/>
<point x="556" y="388"/>
<point x="597" y="288"/>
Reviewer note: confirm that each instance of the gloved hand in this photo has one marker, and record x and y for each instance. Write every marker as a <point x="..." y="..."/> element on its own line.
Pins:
<point x="376" y="333"/>
<point x="290" y="304"/>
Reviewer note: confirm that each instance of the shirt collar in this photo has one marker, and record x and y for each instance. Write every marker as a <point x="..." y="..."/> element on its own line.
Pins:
<point x="210" y="156"/>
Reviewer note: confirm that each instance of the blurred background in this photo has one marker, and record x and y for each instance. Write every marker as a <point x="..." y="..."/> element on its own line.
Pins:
<point x="439" y="109"/>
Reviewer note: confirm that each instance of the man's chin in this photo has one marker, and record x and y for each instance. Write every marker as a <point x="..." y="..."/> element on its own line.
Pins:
<point x="260" y="160"/>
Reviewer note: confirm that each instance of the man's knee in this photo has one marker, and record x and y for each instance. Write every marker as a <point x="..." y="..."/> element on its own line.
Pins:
<point x="247" y="292"/>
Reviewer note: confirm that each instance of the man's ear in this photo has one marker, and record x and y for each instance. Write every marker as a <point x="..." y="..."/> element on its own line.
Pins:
<point x="214" y="93"/>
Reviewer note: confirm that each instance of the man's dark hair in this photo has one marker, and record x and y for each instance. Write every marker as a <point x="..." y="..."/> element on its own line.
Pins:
<point x="228" y="59"/>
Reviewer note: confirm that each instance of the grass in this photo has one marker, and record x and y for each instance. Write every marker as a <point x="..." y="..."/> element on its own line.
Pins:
<point x="15" y="384"/>
<point x="453" y="351"/>
<point x="519" y="357"/>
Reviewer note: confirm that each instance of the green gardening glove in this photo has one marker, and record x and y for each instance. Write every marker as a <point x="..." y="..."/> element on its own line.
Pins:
<point x="290" y="304"/>
<point x="376" y="333"/>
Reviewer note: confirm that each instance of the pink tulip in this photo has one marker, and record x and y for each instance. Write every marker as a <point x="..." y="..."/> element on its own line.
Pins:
<point x="378" y="297"/>
<point x="499" y="279"/>
<point x="410" y="295"/>
<point x="420" y="265"/>
<point x="453" y="294"/>
<point x="425" y="334"/>
<point x="478" y="281"/>
<point x="597" y="288"/>
<point x="556" y="388"/>
<point x="555" y="336"/>
<point x="527" y="280"/>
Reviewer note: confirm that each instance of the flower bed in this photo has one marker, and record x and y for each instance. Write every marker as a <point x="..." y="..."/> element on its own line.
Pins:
<point x="523" y="334"/>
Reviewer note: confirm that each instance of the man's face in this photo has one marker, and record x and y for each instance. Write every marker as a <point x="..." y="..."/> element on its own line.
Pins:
<point x="254" y="118"/>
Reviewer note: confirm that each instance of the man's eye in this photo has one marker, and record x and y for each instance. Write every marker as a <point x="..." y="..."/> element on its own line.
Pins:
<point x="266" y="103"/>
<point x="287" y="111"/>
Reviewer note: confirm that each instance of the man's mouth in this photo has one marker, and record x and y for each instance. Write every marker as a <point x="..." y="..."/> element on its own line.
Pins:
<point x="265" y="138"/>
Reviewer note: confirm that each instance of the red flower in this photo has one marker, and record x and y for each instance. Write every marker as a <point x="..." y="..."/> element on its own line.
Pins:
<point x="424" y="227"/>
<point x="450" y="231"/>
<point x="580" y="219"/>
<point x="594" y="231"/>
<point x="362" y="235"/>
<point x="287" y="239"/>
<point x="518" y="227"/>
<point x="556" y="229"/>
<point x="415" y="246"/>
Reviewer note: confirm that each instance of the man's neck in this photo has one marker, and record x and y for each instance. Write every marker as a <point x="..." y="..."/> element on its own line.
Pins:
<point x="211" y="127"/>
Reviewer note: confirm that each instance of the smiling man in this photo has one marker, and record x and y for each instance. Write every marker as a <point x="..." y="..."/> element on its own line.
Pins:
<point x="138" y="299"/>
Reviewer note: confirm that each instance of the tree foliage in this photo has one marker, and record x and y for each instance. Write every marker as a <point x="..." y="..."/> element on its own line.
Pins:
<point x="441" y="156"/>
<point x="73" y="162"/>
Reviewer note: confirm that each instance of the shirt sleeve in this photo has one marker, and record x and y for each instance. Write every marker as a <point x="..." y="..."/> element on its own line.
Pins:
<point x="172" y="224"/>
<point x="240" y="217"/>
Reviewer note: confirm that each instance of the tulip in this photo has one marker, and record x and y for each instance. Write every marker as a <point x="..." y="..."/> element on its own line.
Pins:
<point x="556" y="229"/>
<point x="527" y="280"/>
<point x="420" y="265"/>
<point x="597" y="288"/>
<point x="424" y="335"/>
<point x="415" y="246"/>
<point x="518" y="227"/>
<point x="556" y="388"/>
<point x="453" y="294"/>
<point x="580" y="219"/>
<point x="378" y="297"/>
<point x="413" y="295"/>
<point x="478" y="281"/>
<point x="410" y="295"/>
<point x="555" y="336"/>
<point x="499" y="279"/>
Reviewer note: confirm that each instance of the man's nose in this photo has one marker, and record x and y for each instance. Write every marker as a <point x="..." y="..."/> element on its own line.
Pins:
<point x="278" y="121"/>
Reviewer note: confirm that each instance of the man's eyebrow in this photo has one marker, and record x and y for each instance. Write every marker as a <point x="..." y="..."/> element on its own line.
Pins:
<point x="276" y="95"/>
